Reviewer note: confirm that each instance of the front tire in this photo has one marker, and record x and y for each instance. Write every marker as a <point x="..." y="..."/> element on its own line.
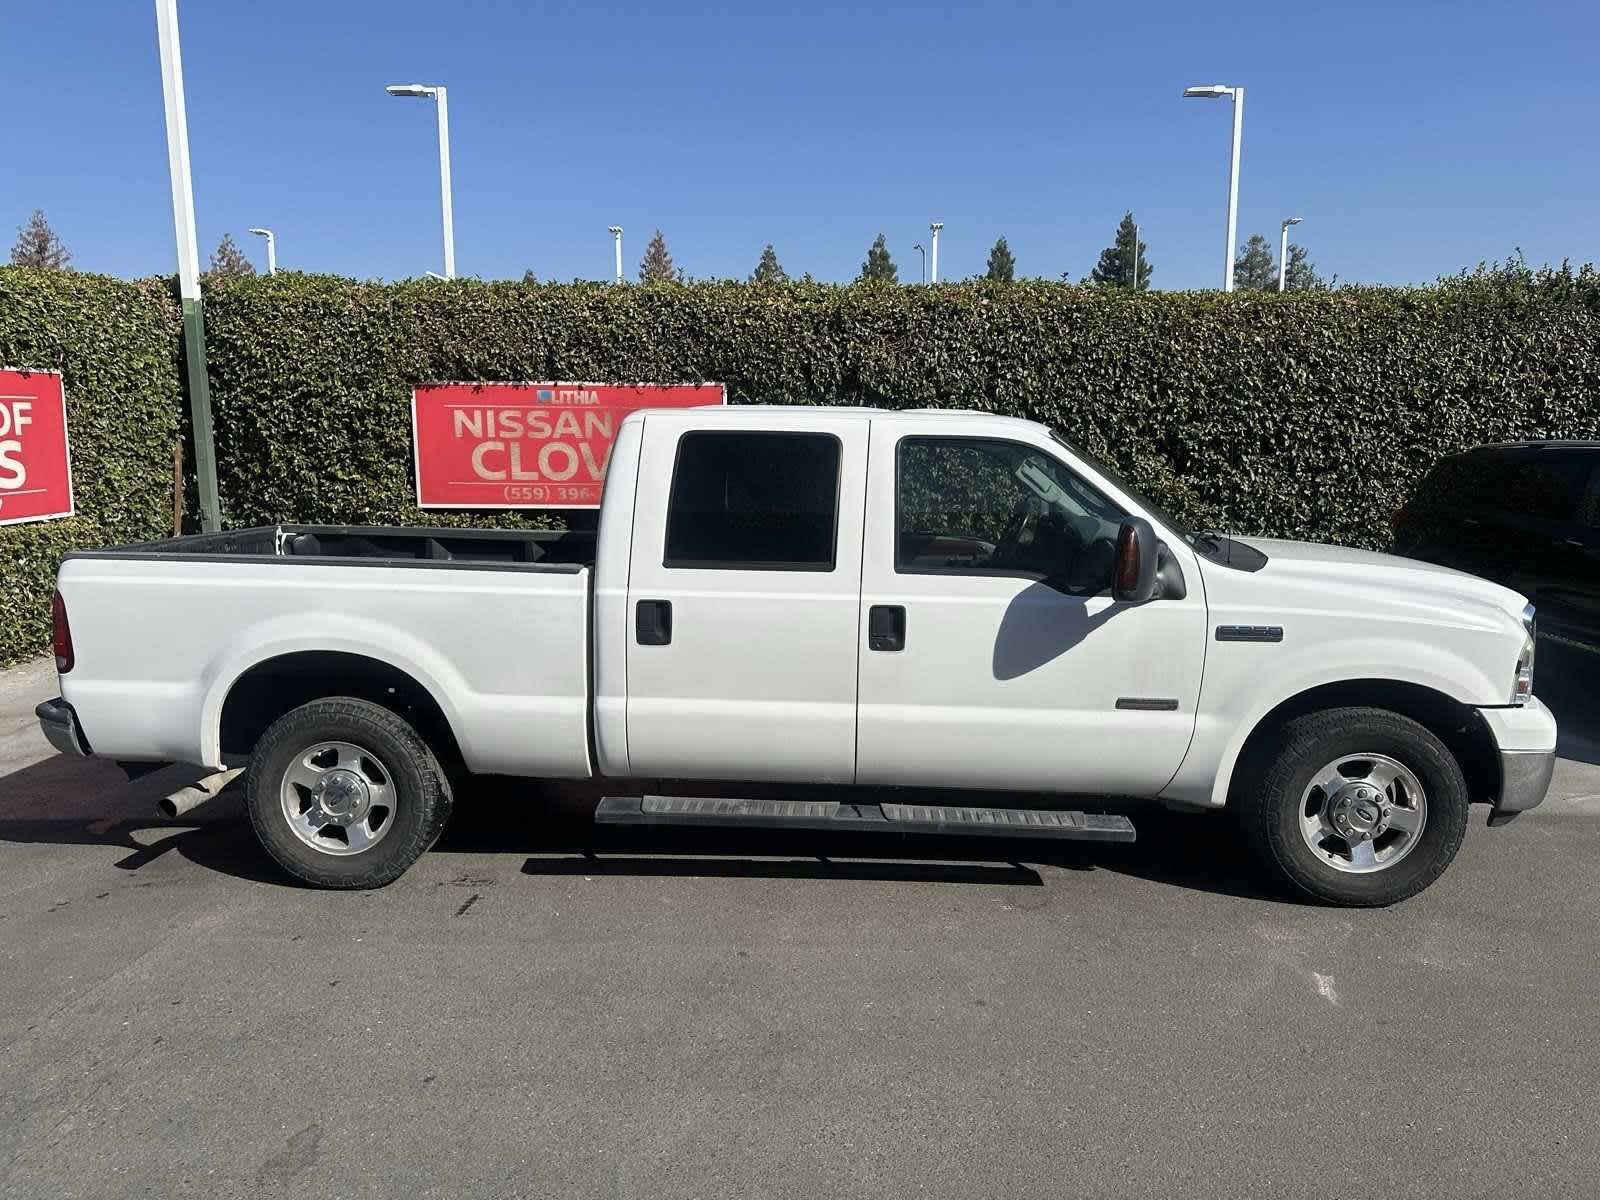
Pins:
<point x="1361" y="807"/>
<point x="343" y="793"/>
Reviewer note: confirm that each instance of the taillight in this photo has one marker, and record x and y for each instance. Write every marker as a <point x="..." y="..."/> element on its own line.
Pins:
<point x="63" y="634"/>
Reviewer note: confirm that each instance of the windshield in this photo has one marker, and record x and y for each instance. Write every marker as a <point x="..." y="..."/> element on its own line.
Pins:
<point x="1155" y="510"/>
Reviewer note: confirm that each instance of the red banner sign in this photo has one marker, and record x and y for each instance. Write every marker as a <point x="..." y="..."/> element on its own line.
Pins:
<point x="528" y="445"/>
<point x="35" y="468"/>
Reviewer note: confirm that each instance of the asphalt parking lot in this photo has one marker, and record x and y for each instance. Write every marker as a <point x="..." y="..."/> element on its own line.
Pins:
<point x="539" y="1010"/>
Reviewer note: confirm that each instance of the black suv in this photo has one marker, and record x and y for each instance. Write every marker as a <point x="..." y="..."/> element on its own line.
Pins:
<point x="1525" y="514"/>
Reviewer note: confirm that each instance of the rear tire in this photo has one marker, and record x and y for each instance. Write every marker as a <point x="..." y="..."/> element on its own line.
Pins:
<point x="1378" y="765"/>
<point x="343" y="793"/>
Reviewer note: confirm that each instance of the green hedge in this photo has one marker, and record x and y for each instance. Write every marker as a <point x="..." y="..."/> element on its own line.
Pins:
<point x="116" y="345"/>
<point x="1310" y="415"/>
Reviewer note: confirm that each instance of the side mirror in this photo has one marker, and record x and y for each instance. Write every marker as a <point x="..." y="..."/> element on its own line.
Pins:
<point x="1137" y="550"/>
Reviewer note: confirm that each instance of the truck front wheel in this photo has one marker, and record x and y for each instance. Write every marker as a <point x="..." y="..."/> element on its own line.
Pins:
<point x="1360" y="807"/>
<point x="343" y="793"/>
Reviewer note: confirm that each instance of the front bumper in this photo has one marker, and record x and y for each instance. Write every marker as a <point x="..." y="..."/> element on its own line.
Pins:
<point x="60" y="727"/>
<point x="1526" y="739"/>
<point x="1524" y="779"/>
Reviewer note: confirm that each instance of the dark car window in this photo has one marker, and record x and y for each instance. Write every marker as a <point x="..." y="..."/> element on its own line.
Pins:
<point x="1548" y="484"/>
<point x="1545" y="483"/>
<point x="754" y="501"/>
<point x="1591" y="498"/>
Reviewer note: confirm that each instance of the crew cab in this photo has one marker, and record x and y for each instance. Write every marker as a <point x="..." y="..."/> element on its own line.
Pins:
<point x="911" y="603"/>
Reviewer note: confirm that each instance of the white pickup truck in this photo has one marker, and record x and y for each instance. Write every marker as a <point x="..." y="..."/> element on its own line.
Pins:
<point x="929" y="601"/>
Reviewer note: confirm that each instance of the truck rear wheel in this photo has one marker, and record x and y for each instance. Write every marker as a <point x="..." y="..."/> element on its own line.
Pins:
<point x="1361" y="807"/>
<point x="343" y="793"/>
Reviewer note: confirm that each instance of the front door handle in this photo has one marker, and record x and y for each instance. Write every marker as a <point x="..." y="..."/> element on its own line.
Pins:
<point x="652" y="622"/>
<point x="886" y="627"/>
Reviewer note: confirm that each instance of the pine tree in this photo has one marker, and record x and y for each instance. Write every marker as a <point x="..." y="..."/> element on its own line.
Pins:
<point x="1115" y="268"/>
<point x="228" y="259"/>
<point x="879" y="267"/>
<point x="529" y="277"/>
<point x="656" y="265"/>
<point x="1301" y="273"/>
<point x="769" y="269"/>
<point x="1253" y="269"/>
<point x="1002" y="263"/>
<point x="38" y="246"/>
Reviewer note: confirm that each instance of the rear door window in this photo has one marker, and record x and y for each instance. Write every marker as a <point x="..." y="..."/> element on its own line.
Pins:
<point x="756" y="501"/>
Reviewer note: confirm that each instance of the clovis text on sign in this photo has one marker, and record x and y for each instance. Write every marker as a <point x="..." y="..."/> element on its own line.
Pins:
<point x="528" y="445"/>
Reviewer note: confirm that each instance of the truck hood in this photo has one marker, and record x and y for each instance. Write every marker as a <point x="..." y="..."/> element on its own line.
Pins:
<point x="1401" y="581"/>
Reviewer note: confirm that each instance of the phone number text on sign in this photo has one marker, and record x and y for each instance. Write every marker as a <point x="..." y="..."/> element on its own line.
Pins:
<point x="528" y="445"/>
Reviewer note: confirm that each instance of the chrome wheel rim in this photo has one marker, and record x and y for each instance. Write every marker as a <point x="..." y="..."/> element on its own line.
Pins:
<point x="338" y="798"/>
<point x="1363" y="813"/>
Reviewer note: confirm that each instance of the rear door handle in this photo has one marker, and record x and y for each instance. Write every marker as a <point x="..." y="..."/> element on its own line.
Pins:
<point x="886" y="627"/>
<point x="652" y="622"/>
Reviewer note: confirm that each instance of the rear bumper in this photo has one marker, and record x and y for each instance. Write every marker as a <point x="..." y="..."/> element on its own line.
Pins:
<point x="60" y="727"/>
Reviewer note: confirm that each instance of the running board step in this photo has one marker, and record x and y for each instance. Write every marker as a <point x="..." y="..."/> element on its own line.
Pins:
<point x="937" y="819"/>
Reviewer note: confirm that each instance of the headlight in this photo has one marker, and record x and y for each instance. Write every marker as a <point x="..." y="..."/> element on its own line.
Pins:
<point x="1522" y="686"/>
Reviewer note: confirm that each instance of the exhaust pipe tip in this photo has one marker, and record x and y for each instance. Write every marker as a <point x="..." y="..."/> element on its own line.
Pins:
<point x="192" y="796"/>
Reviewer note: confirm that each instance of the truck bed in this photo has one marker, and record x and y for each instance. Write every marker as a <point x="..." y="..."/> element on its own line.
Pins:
<point x="492" y="624"/>
<point x="375" y="545"/>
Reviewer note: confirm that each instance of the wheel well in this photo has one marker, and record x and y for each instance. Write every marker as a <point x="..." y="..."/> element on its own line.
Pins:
<point x="1460" y="727"/>
<point x="274" y="687"/>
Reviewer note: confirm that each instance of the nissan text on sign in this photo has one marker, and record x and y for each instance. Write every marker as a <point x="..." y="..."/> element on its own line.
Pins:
<point x="35" y="466"/>
<point x="528" y="445"/>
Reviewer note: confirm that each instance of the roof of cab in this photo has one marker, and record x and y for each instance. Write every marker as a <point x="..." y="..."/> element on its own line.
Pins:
<point x="835" y="411"/>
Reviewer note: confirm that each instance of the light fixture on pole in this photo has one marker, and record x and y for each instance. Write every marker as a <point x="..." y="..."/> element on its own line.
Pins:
<point x="1136" y="256"/>
<point x="272" y="249"/>
<point x="924" y="275"/>
<point x="194" y="321"/>
<point x="1283" y="250"/>
<point x="616" y="237"/>
<point x="1215" y="91"/>
<point x="441" y="98"/>
<point x="933" y="253"/>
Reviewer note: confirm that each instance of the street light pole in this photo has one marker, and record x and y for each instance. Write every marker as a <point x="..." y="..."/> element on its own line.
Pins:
<point x="194" y="321"/>
<point x="441" y="98"/>
<point x="272" y="249"/>
<point x="933" y="252"/>
<point x="1136" y="256"/>
<point x="1215" y="91"/>
<point x="923" y="276"/>
<point x="1283" y="250"/>
<point x="616" y="238"/>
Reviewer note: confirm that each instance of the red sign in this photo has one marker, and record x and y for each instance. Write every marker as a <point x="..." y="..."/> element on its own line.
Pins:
<point x="528" y="445"/>
<point x="35" y="469"/>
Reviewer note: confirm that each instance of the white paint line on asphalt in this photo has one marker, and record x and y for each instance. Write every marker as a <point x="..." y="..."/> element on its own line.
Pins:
<point x="1325" y="988"/>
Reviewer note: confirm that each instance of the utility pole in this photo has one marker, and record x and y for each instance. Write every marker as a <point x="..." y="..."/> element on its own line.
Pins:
<point x="272" y="249"/>
<point x="441" y="98"/>
<point x="1215" y="91"/>
<point x="1283" y="250"/>
<point x="616" y="238"/>
<point x="1136" y="256"/>
<point x="194" y="320"/>
<point x="923" y="275"/>
<point x="933" y="253"/>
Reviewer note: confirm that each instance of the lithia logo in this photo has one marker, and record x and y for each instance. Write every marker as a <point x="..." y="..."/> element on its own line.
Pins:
<point x="545" y="395"/>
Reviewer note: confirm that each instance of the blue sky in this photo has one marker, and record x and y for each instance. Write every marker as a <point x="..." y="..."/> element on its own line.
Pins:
<point x="1414" y="138"/>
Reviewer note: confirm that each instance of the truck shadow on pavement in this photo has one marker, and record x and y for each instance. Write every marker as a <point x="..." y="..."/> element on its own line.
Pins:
<point x="65" y="801"/>
<point x="85" y="802"/>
